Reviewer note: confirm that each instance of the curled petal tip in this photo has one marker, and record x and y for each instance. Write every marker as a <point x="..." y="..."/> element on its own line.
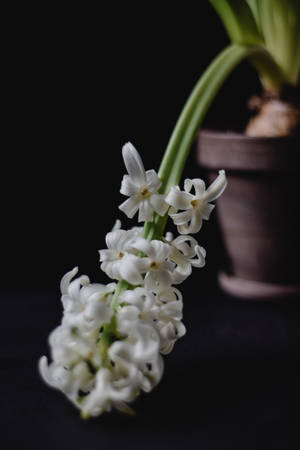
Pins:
<point x="65" y="281"/>
<point x="133" y="163"/>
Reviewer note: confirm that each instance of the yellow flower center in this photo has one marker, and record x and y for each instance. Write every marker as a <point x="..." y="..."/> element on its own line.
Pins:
<point x="145" y="193"/>
<point x="154" y="265"/>
<point x="194" y="203"/>
<point x="121" y="255"/>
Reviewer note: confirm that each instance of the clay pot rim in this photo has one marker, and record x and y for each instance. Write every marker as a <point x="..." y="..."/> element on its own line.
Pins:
<point x="235" y="135"/>
<point x="238" y="152"/>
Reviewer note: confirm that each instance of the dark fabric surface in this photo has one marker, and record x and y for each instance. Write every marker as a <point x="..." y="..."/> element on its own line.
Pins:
<point x="231" y="383"/>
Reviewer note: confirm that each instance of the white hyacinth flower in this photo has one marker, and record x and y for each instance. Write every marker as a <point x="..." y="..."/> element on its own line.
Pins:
<point x="106" y="394"/>
<point x="163" y="312"/>
<point x="141" y="187"/>
<point x="164" y="293"/>
<point x="194" y="207"/>
<point x="168" y="319"/>
<point x="120" y="261"/>
<point x="140" y="352"/>
<point x="185" y="253"/>
<point x="74" y="343"/>
<point x="155" y="264"/>
<point x="85" y="305"/>
<point x="137" y="305"/>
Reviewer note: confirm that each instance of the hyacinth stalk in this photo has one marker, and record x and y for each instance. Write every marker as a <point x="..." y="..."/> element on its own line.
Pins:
<point x="108" y="347"/>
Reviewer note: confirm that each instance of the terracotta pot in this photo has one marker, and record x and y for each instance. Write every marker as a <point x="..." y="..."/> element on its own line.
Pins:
<point x="258" y="213"/>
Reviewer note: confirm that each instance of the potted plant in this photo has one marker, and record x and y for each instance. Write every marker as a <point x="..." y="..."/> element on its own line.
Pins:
<point x="258" y="214"/>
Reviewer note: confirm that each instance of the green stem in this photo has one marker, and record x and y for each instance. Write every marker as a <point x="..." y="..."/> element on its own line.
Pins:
<point x="121" y="286"/>
<point x="195" y="109"/>
<point x="189" y="122"/>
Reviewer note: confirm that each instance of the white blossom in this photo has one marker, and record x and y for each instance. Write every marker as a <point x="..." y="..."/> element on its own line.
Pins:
<point x="185" y="253"/>
<point x="141" y="187"/>
<point x="85" y="305"/>
<point x="155" y="263"/>
<point x="68" y="381"/>
<point x="120" y="260"/>
<point x="139" y="350"/>
<point x="162" y="311"/>
<point x="194" y="208"/>
<point x="138" y="305"/>
<point x="93" y="381"/>
<point x="74" y="343"/>
<point x="106" y="394"/>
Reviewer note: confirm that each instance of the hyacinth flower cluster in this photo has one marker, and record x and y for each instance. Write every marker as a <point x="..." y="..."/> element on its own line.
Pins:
<point x="110" y="343"/>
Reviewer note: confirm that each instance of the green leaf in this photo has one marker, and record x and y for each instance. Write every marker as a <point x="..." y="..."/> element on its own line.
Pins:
<point x="254" y="6"/>
<point x="238" y="19"/>
<point x="280" y="24"/>
<point x="272" y="24"/>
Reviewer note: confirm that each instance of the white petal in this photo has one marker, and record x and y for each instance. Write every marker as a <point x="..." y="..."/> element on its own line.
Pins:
<point x="154" y="374"/>
<point x="178" y="258"/>
<point x="140" y="297"/>
<point x="169" y="294"/>
<point x="113" y="238"/>
<point x="188" y="184"/>
<point x="179" y="275"/>
<point x="75" y="285"/>
<point x="198" y="185"/>
<point x="129" y="269"/>
<point x="158" y="203"/>
<point x="107" y="255"/>
<point x="117" y="225"/>
<point x="97" y="312"/>
<point x="160" y="251"/>
<point x="160" y="278"/>
<point x="65" y="281"/>
<point x="178" y="199"/>
<point x="143" y="246"/>
<point x="130" y="206"/>
<point x="128" y="313"/>
<point x="186" y="244"/>
<point x="196" y="222"/>
<point x="147" y="343"/>
<point x="145" y="211"/>
<point x="167" y="347"/>
<point x="200" y="261"/>
<point x="169" y="236"/>
<point x="207" y="210"/>
<point x="184" y="229"/>
<point x="182" y="217"/>
<point x="128" y="187"/>
<point x="172" y="310"/>
<point x="112" y="269"/>
<point x="153" y="183"/>
<point x="126" y="318"/>
<point x="217" y="187"/>
<point x="45" y="372"/>
<point x="134" y="164"/>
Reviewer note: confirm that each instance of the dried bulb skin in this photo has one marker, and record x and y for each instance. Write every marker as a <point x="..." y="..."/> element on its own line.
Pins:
<point x="276" y="115"/>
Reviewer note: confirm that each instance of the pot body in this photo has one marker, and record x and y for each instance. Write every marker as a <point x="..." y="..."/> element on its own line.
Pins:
<point x="258" y="213"/>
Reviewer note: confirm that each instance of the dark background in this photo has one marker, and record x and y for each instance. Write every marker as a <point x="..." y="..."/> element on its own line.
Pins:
<point x="81" y="82"/>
